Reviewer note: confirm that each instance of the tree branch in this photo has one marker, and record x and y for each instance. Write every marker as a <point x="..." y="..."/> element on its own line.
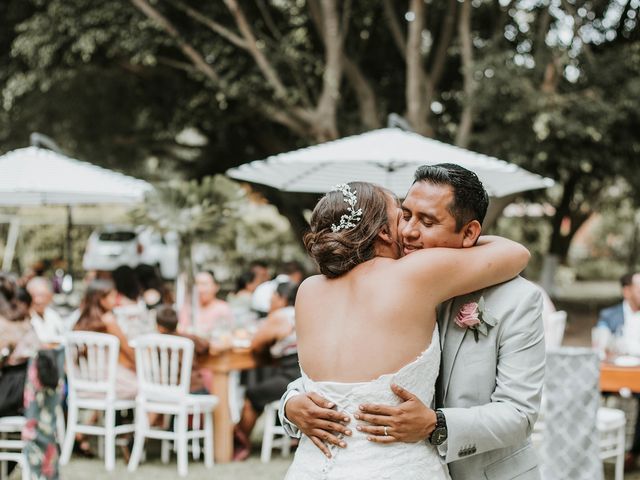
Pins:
<point x="367" y="105"/>
<point x="416" y="77"/>
<point x="211" y="24"/>
<point x="394" y="27"/>
<point x="188" y="50"/>
<point x="466" y="52"/>
<point x="261" y="60"/>
<point x="268" y="20"/>
<point x="326" y="126"/>
<point x="440" y="56"/>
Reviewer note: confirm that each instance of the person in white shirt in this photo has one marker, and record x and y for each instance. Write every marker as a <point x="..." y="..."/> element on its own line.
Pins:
<point x="46" y="322"/>
<point x="623" y="321"/>
<point x="261" y="300"/>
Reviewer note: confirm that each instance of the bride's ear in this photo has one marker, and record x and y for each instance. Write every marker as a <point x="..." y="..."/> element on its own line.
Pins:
<point x="385" y="235"/>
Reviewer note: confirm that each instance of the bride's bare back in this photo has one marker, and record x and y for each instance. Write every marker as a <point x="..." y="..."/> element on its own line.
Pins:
<point x="361" y="325"/>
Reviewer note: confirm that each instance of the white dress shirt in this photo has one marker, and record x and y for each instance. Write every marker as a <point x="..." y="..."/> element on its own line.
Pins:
<point x="49" y="329"/>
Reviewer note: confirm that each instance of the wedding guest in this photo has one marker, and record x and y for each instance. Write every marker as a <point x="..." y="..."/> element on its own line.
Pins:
<point x="167" y="323"/>
<point x="246" y="284"/>
<point x="290" y="272"/>
<point x="18" y="343"/>
<point x="130" y="310"/>
<point x="96" y="315"/>
<point x="623" y="321"/>
<point x="211" y="313"/>
<point x="260" y="269"/>
<point x="45" y="320"/>
<point x="278" y="335"/>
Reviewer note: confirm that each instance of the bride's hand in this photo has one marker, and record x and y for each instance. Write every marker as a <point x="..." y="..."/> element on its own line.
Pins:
<point x="315" y="417"/>
<point x="411" y="421"/>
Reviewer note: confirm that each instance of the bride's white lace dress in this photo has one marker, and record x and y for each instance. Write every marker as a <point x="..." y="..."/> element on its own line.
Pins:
<point x="365" y="459"/>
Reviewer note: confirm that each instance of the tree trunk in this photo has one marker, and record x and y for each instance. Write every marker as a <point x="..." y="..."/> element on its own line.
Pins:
<point x="466" y="52"/>
<point x="416" y="78"/>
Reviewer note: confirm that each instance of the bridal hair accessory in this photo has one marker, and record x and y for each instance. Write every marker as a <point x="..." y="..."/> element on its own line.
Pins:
<point x="350" y="219"/>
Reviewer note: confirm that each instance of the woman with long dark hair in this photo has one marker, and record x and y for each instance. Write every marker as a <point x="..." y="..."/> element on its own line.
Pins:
<point x="96" y="315"/>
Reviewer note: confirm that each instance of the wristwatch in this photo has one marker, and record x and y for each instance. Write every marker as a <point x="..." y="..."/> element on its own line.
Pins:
<point x="439" y="434"/>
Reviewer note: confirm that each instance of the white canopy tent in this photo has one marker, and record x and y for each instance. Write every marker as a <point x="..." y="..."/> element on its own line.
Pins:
<point x="388" y="157"/>
<point x="37" y="176"/>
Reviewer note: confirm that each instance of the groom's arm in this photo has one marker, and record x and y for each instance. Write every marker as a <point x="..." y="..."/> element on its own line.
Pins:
<point x="308" y="413"/>
<point x="509" y="418"/>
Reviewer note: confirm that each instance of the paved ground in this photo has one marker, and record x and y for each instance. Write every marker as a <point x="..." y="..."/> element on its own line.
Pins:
<point x="251" y="469"/>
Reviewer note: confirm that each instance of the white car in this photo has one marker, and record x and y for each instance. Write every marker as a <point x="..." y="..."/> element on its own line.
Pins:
<point x="113" y="246"/>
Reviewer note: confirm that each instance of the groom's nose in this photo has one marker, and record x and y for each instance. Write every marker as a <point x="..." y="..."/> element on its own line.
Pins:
<point x="408" y="230"/>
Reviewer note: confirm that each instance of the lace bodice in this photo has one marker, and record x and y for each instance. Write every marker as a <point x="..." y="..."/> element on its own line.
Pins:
<point x="365" y="459"/>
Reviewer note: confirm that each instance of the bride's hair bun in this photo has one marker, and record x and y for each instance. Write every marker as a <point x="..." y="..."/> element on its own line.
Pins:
<point x="337" y="252"/>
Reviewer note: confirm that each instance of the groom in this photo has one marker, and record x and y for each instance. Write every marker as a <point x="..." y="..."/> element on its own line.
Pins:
<point x="488" y="392"/>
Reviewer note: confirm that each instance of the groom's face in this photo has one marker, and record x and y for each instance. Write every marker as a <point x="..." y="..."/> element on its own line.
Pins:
<point x="426" y="220"/>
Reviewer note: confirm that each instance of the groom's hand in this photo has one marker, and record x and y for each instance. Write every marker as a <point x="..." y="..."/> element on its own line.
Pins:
<point x="315" y="417"/>
<point x="411" y="421"/>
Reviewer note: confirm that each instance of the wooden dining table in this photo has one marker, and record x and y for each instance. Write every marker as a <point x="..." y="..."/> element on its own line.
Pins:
<point x="221" y="366"/>
<point x="614" y="378"/>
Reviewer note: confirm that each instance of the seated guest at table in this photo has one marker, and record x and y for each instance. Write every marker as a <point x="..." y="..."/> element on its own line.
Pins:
<point x="130" y="310"/>
<point x="18" y="343"/>
<point x="289" y="272"/>
<point x="212" y="313"/>
<point x="167" y="322"/>
<point x="623" y="320"/>
<point x="96" y="315"/>
<point x="278" y="335"/>
<point x="45" y="320"/>
<point x="246" y="284"/>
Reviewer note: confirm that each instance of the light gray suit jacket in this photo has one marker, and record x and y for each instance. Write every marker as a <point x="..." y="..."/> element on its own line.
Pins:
<point x="489" y="390"/>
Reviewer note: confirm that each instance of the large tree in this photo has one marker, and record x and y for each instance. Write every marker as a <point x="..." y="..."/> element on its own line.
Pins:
<point x="198" y="87"/>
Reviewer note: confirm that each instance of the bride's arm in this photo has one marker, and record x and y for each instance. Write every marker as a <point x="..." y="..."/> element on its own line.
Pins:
<point x="449" y="272"/>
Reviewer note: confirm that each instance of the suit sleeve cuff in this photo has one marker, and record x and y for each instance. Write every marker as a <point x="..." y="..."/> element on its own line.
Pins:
<point x="290" y="429"/>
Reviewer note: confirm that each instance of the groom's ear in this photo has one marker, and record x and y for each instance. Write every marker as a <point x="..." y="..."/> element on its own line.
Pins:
<point x="471" y="232"/>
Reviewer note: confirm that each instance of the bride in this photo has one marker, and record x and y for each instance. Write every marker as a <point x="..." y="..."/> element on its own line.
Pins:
<point x="369" y="320"/>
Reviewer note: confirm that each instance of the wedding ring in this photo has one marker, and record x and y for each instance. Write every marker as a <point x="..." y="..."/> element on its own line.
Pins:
<point x="385" y="431"/>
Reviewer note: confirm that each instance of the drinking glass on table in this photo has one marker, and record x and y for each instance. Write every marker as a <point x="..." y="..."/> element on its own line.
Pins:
<point x="600" y="340"/>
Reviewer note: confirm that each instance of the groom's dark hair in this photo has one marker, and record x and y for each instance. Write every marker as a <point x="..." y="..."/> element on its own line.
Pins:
<point x="470" y="199"/>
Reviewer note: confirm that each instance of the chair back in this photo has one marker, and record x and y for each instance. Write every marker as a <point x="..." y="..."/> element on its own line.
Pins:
<point x="163" y="366"/>
<point x="92" y="360"/>
<point x="571" y="442"/>
<point x="554" y="329"/>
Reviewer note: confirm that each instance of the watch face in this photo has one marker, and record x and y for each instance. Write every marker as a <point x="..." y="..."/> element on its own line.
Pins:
<point x="439" y="436"/>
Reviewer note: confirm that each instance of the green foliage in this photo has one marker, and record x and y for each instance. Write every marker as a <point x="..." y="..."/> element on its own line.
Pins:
<point x="195" y="210"/>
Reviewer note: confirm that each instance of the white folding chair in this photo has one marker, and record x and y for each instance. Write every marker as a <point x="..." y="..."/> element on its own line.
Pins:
<point x="555" y="326"/>
<point x="271" y="431"/>
<point x="91" y="360"/>
<point x="611" y="424"/>
<point x="163" y="365"/>
<point x="11" y="446"/>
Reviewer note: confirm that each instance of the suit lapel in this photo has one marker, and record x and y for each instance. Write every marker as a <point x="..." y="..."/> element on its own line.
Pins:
<point x="453" y="341"/>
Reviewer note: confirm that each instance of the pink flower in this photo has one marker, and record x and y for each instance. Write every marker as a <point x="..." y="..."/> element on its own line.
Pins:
<point x="468" y="316"/>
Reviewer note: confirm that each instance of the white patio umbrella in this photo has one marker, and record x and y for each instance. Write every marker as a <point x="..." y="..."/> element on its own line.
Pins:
<point x="388" y="157"/>
<point x="37" y="176"/>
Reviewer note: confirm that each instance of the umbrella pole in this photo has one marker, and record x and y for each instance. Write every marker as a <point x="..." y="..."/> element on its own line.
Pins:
<point x="12" y="239"/>
<point x="69" y="243"/>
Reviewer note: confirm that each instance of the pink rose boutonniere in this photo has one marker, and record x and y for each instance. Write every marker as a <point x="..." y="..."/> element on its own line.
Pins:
<point x="473" y="316"/>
